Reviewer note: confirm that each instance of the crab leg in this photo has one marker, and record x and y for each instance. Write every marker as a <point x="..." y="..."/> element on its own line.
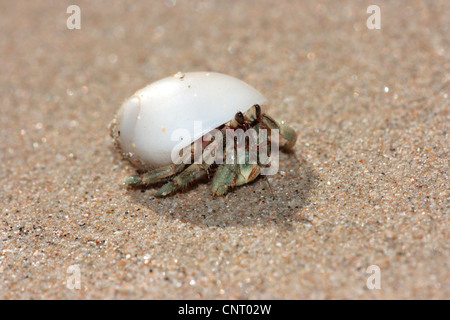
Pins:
<point x="247" y="173"/>
<point x="288" y="137"/>
<point x="154" y="175"/>
<point x="230" y="175"/>
<point x="224" y="178"/>
<point x="192" y="173"/>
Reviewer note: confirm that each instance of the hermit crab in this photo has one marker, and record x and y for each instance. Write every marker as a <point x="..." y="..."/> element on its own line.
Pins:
<point x="194" y="125"/>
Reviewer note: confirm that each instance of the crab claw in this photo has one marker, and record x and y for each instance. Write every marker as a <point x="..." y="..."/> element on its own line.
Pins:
<point x="288" y="136"/>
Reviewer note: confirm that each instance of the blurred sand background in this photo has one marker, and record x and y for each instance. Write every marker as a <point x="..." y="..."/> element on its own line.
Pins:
<point x="368" y="183"/>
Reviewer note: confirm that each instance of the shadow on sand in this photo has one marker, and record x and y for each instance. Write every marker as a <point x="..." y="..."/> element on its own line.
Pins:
<point x="252" y="204"/>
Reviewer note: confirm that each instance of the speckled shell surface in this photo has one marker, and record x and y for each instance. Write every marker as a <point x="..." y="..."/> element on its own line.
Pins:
<point x="147" y="120"/>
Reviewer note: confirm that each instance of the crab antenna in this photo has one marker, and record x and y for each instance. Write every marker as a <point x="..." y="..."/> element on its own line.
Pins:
<point x="274" y="197"/>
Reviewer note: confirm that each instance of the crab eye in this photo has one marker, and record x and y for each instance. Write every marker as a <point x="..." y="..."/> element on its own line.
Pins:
<point x="239" y="117"/>
<point x="257" y="110"/>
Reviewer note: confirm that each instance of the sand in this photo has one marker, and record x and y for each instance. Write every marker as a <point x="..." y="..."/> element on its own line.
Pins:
<point x="367" y="185"/>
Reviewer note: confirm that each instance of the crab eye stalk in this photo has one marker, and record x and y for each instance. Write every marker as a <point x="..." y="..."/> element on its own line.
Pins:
<point x="257" y="111"/>
<point x="239" y="117"/>
<point x="253" y="114"/>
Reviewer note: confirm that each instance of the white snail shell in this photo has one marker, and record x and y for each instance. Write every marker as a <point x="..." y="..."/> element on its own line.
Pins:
<point x="145" y="122"/>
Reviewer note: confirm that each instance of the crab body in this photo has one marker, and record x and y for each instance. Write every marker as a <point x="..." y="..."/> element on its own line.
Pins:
<point x="163" y="128"/>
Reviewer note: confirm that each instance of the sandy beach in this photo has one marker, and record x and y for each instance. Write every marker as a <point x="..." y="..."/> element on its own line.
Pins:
<point x="365" y="192"/>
